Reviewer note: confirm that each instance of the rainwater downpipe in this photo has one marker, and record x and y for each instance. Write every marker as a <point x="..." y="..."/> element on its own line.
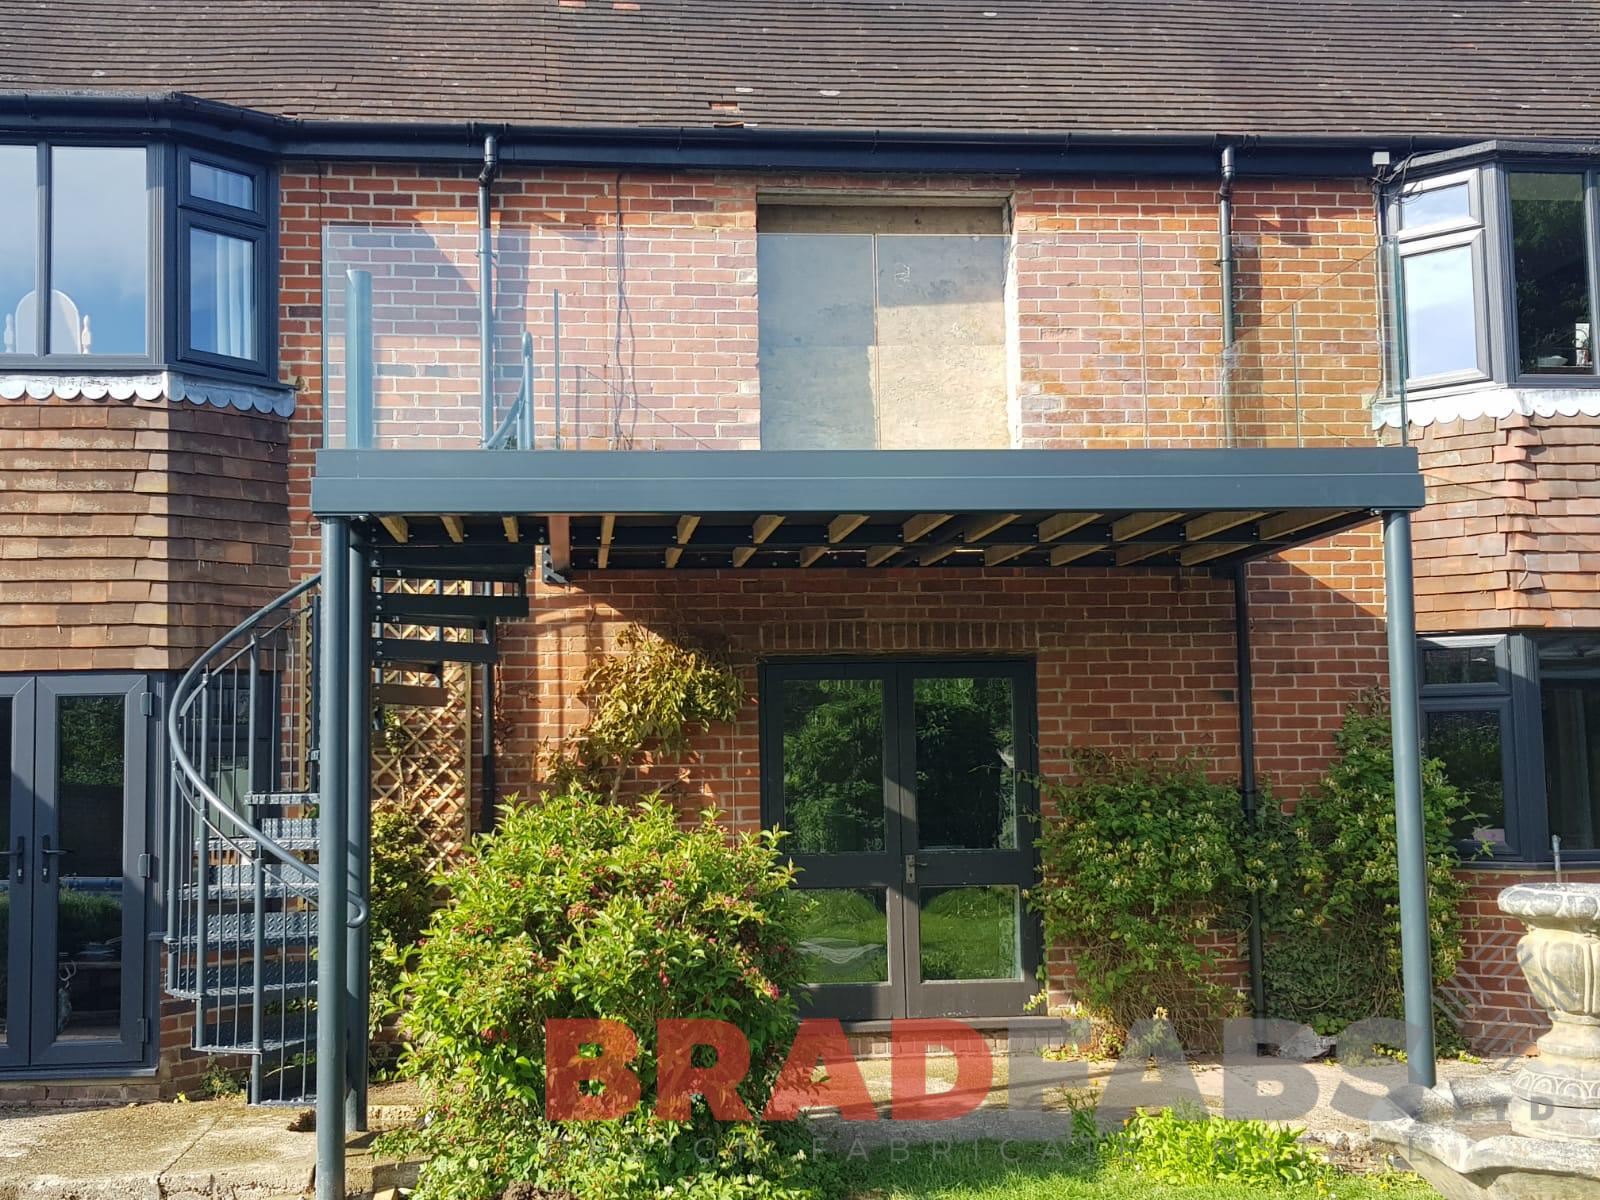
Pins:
<point x="1226" y="264"/>
<point x="489" y="783"/>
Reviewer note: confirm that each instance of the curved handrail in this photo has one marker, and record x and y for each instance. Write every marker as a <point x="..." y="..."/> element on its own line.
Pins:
<point x="183" y="698"/>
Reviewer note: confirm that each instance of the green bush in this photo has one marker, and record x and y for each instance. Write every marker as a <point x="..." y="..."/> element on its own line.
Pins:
<point x="575" y="908"/>
<point x="1142" y="865"/>
<point x="1184" y="1148"/>
<point x="403" y="897"/>
<point x="1333" y="920"/>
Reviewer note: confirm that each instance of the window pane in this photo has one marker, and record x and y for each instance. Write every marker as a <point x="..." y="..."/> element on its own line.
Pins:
<point x="1443" y="665"/>
<point x="19" y="250"/>
<point x="1569" y="692"/>
<point x="99" y="250"/>
<point x="844" y="935"/>
<point x="1441" y="312"/>
<point x="222" y="294"/>
<point x="1435" y="206"/>
<point x="1469" y="745"/>
<point x="1551" y="260"/>
<point x="966" y="764"/>
<point x="90" y="787"/>
<point x="833" y="765"/>
<point x="221" y="186"/>
<point x="971" y="933"/>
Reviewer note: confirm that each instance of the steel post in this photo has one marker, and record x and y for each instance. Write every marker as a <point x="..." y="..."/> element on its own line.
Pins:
<point x="1410" y="832"/>
<point x="1247" y="772"/>
<point x="358" y="723"/>
<point x="333" y="893"/>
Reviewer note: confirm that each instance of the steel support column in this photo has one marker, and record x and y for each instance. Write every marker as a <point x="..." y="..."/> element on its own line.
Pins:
<point x="1248" y="791"/>
<point x="358" y="800"/>
<point x="333" y="892"/>
<point x="1410" y="832"/>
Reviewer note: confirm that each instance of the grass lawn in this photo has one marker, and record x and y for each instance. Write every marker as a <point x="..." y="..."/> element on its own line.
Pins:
<point x="1028" y="1171"/>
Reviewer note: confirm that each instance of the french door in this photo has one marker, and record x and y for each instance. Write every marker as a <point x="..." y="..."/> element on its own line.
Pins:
<point x="905" y="790"/>
<point x="73" y="816"/>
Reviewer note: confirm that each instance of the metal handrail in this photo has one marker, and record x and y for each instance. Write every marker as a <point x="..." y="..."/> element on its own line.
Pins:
<point x="183" y="699"/>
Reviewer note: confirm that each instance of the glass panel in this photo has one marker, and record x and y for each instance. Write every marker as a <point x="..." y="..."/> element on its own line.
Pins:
<point x="1436" y="206"/>
<point x="222" y="294"/>
<point x="19" y="248"/>
<point x="1569" y="692"/>
<point x="966" y="764"/>
<point x="89" y="796"/>
<point x="1550" y="254"/>
<point x="1469" y="745"/>
<point x="7" y="866"/>
<point x="844" y="935"/>
<point x="99" y="250"/>
<point x="222" y="186"/>
<point x="833" y="765"/>
<point x="971" y="933"/>
<point x="1441" y="312"/>
<point x="1458" y="664"/>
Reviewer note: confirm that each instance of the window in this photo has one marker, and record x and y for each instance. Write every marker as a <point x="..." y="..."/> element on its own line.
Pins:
<point x="883" y="326"/>
<point x="1441" y="267"/>
<point x="97" y="225"/>
<point x="84" y="226"/>
<point x="1550" y="269"/>
<point x="1515" y="720"/>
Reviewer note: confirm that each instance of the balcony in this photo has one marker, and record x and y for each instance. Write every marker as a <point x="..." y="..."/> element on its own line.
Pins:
<point x="685" y="336"/>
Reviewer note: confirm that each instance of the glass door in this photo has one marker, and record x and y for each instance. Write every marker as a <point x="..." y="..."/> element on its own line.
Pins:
<point x="903" y="788"/>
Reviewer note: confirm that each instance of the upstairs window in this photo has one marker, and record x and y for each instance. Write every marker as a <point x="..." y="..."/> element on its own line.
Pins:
<point x="1551" y="272"/>
<point x="96" y="222"/>
<point x="883" y="325"/>
<point x="1441" y="243"/>
<point x="133" y="283"/>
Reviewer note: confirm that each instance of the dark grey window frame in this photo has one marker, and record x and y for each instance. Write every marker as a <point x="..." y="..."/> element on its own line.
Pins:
<point x="1517" y="697"/>
<point x="1494" y="263"/>
<point x="173" y="212"/>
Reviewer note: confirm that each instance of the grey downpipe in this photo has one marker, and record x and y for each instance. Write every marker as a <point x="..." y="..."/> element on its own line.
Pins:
<point x="491" y="167"/>
<point x="1225" y="262"/>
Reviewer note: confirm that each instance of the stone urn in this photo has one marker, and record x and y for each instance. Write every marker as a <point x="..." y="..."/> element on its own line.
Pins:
<point x="1557" y="1095"/>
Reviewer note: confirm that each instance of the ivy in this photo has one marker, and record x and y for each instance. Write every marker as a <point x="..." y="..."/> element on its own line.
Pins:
<point x="1332" y="923"/>
<point x="1142" y="865"/>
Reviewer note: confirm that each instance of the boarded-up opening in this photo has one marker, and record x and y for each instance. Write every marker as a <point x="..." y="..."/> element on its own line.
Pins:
<point x="883" y="326"/>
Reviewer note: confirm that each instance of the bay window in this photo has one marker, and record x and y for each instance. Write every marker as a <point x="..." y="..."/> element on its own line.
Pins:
<point x="133" y="258"/>
<point x="1441" y="262"/>
<point x="1551" y="275"/>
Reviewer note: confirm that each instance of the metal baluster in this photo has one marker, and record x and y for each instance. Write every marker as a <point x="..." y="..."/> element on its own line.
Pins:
<point x="202" y="871"/>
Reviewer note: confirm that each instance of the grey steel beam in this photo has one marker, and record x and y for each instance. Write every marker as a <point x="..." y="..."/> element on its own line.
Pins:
<point x="333" y="893"/>
<point x="711" y="482"/>
<point x="358" y="853"/>
<point x="1416" y="949"/>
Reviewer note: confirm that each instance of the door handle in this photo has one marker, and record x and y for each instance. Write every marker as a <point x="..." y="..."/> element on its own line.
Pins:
<point x="20" y="855"/>
<point x="912" y="863"/>
<point x="45" y="855"/>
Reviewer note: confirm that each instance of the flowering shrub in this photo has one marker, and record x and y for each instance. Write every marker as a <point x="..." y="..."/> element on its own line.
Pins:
<point x="579" y="908"/>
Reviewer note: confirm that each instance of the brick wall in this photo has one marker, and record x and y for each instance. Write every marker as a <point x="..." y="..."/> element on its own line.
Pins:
<point x="1511" y="535"/>
<point x="132" y="533"/>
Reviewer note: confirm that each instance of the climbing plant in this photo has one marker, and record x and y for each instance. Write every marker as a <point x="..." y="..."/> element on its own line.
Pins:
<point x="647" y="698"/>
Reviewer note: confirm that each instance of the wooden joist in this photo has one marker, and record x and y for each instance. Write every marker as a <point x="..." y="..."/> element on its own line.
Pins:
<point x="1191" y="556"/>
<point x="764" y="527"/>
<point x="743" y="554"/>
<point x="1212" y="524"/>
<point x="674" y="553"/>
<point x="1126" y="556"/>
<point x="981" y="527"/>
<point x="1060" y="556"/>
<point x="844" y="525"/>
<point x="879" y="555"/>
<point x="1132" y="525"/>
<point x="934" y="554"/>
<point x="455" y="527"/>
<point x="608" y="528"/>
<point x="399" y="529"/>
<point x="921" y="525"/>
<point x="993" y="556"/>
<point x="811" y="554"/>
<point x="1293" y="521"/>
<point x="686" y="528"/>
<point x="513" y="529"/>
<point x="1062" y="524"/>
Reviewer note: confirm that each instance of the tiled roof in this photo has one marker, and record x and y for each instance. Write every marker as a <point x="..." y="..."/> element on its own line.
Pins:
<point x="1386" y="67"/>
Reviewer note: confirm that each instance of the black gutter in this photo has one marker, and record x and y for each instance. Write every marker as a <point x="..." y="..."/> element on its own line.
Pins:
<point x="460" y="142"/>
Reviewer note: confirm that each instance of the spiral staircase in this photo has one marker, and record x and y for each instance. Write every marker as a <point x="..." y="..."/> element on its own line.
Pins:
<point x="242" y="829"/>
